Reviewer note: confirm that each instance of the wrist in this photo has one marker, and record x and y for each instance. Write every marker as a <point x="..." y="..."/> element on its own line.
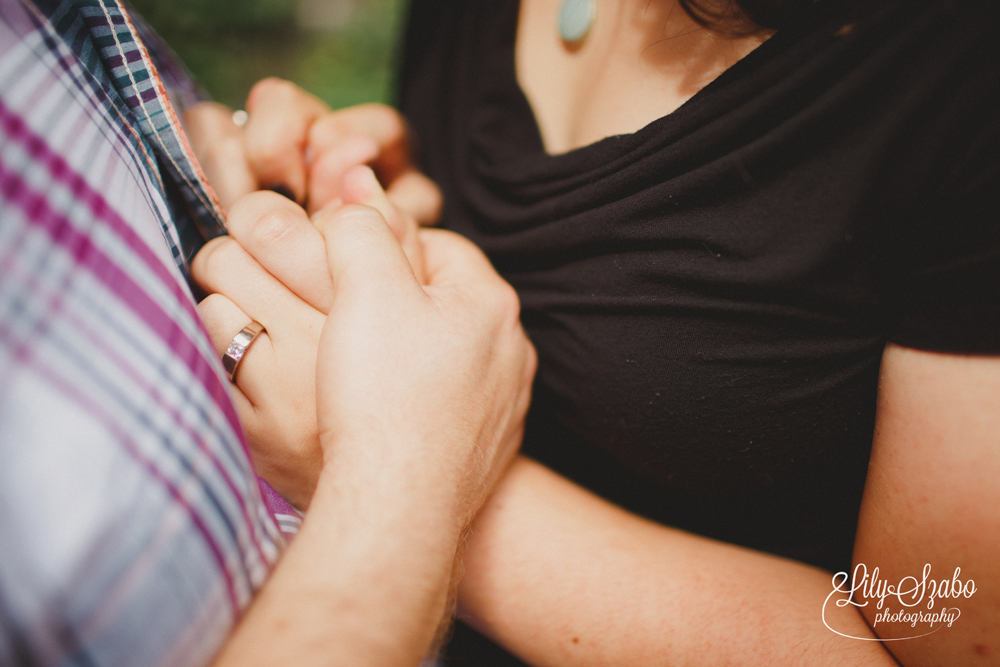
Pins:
<point x="399" y="486"/>
<point x="366" y="579"/>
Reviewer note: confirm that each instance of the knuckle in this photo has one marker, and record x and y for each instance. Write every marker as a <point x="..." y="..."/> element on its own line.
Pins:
<point x="221" y="255"/>
<point x="389" y="129"/>
<point x="200" y="264"/>
<point x="390" y="120"/>
<point x="326" y="130"/>
<point x="417" y="194"/>
<point x="355" y="224"/>
<point x="359" y="218"/>
<point x="434" y="203"/>
<point x="274" y="225"/>
<point x="453" y="242"/>
<point x="531" y="363"/>
<point x="268" y="152"/>
<point x="213" y="311"/>
<point x="270" y="87"/>
<point x="210" y="305"/>
<point x="494" y="304"/>
<point x="244" y="211"/>
<point x="508" y="304"/>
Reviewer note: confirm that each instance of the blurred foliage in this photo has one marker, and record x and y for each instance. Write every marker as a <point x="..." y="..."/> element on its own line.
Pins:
<point x="341" y="50"/>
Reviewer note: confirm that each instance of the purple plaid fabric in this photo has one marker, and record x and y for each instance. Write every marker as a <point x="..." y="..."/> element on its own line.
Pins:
<point x="133" y="530"/>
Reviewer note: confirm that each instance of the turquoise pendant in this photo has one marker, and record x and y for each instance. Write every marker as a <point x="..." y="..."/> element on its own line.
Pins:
<point x="576" y="17"/>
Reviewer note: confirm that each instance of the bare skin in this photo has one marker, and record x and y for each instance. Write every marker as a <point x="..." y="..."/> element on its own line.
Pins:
<point x="561" y="577"/>
<point x="555" y="576"/>
<point x="641" y="60"/>
<point x="404" y="381"/>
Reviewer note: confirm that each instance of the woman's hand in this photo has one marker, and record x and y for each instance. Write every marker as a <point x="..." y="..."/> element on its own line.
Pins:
<point x="422" y="392"/>
<point x="294" y="144"/>
<point x="290" y="295"/>
<point x="469" y="315"/>
<point x="275" y="395"/>
<point x="219" y="145"/>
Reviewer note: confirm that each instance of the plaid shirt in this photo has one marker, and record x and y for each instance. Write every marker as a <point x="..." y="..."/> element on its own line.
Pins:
<point x="132" y="527"/>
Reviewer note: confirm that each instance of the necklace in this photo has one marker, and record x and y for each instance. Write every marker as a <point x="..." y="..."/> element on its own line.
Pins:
<point x="576" y="18"/>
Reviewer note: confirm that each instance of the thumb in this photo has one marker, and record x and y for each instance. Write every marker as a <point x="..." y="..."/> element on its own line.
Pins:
<point x="361" y="187"/>
<point x="364" y="255"/>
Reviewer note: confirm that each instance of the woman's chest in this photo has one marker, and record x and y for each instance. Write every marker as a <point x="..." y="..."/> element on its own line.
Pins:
<point x="639" y="61"/>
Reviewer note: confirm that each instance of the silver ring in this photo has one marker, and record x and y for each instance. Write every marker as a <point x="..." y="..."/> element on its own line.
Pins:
<point x="238" y="348"/>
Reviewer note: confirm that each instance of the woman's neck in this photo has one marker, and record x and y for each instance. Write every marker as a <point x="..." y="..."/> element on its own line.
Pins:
<point x="641" y="60"/>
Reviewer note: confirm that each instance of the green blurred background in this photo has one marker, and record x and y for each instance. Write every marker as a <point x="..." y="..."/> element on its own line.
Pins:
<point x="341" y="50"/>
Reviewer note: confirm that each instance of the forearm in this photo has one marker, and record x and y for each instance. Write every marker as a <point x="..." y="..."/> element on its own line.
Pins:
<point x="562" y="577"/>
<point x="365" y="582"/>
<point x="421" y="393"/>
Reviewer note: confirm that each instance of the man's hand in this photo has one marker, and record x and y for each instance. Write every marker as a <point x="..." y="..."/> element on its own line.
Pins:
<point x="460" y="334"/>
<point x="431" y="382"/>
<point x="421" y="392"/>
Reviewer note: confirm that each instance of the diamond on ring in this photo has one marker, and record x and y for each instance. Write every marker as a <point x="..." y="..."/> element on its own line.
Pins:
<point x="240" y="118"/>
<point x="238" y="348"/>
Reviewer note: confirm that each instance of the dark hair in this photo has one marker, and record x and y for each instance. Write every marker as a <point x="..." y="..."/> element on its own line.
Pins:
<point x="742" y="17"/>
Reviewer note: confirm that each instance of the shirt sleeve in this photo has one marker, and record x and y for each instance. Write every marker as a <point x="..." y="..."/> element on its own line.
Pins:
<point x="943" y="250"/>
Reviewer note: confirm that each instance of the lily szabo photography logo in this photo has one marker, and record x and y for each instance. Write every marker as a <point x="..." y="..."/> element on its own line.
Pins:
<point x="925" y="605"/>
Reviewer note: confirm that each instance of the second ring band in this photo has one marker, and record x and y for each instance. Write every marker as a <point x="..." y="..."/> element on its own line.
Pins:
<point x="238" y="348"/>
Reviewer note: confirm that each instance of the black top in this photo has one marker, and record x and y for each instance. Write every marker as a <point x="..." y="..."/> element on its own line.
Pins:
<point x="710" y="296"/>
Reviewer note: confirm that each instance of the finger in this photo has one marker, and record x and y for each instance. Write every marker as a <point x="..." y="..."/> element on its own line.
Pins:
<point x="364" y="256"/>
<point x="224" y="320"/>
<point x="274" y="393"/>
<point x="223" y="267"/>
<point x="361" y="187"/>
<point x="417" y="195"/>
<point x="383" y="124"/>
<point x="328" y="168"/>
<point x="278" y="234"/>
<point x="218" y="144"/>
<point x="204" y="122"/>
<point x="277" y="133"/>
<point x="451" y="259"/>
